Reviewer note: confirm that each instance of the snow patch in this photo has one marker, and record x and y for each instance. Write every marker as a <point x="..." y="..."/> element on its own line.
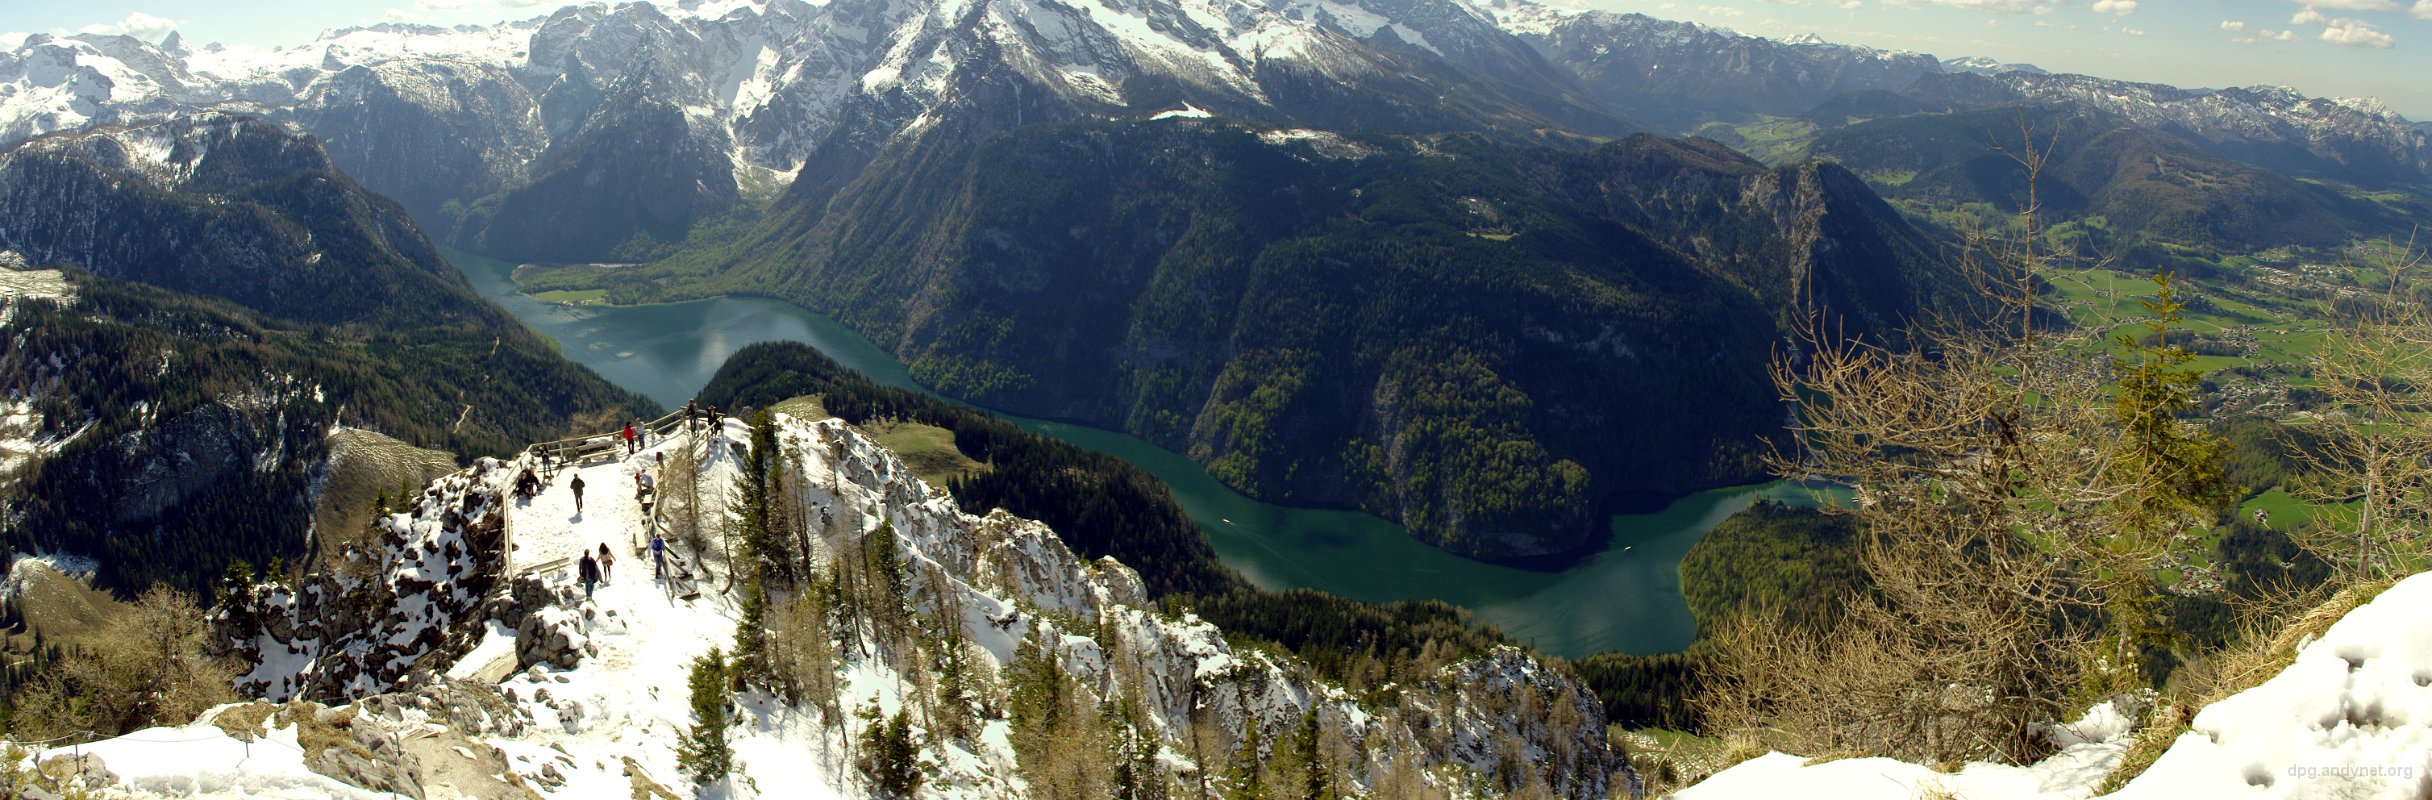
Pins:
<point x="202" y="761"/>
<point x="1187" y="111"/>
<point x="2351" y="717"/>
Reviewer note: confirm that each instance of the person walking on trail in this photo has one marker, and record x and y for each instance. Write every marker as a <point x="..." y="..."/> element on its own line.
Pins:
<point x="643" y="488"/>
<point x="577" y="485"/>
<point x="692" y="413"/>
<point x="607" y="563"/>
<point x="658" y="557"/>
<point x="630" y="447"/>
<point x="589" y="571"/>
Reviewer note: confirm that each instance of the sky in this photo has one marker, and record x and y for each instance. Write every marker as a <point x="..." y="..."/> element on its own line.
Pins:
<point x="2332" y="48"/>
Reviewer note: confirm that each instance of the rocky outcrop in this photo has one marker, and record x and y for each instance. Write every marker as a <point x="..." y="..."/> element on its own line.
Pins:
<point x="1501" y="716"/>
<point x="381" y="616"/>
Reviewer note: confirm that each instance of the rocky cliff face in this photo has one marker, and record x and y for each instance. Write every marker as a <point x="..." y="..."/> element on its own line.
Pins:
<point x="431" y="135"/>
<point x="637" y="172"/>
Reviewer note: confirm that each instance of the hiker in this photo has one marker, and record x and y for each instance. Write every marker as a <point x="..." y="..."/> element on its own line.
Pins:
<point x="526" y="485"/>
<point x="607" y="563"/>
<point x="578" y="494"/>
<point x="692" y="412"/>
<point x="589" y="570"/>
<point x="643" y="486"/>
<point x="630" y="447"/>
<point x="641" y="435"/>
<point x="658" y="557"/>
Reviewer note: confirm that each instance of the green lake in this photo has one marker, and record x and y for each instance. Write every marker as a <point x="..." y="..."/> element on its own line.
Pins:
<point x="1627" y="598"/>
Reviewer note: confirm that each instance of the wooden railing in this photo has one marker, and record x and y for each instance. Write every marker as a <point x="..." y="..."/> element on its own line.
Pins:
<point x="579" y="449"/>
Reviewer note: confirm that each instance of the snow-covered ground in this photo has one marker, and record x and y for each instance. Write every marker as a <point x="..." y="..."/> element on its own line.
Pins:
<point x="200" y="760"/>
<point x="627" y="701"/>
<point x="2350" y="719"/>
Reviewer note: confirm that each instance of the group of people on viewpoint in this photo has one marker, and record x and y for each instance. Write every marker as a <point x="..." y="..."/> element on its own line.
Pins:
<point x="590" y="570"/>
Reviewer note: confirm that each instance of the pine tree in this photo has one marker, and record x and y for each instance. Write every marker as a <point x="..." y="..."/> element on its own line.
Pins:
<point x="1245" y="780"/>
<point x="236" y="600"/>
<point x="704" y="753"/>
<point x="890" y="756"/>
<point x="752" y="663"/>
<point x="1315" y="781"/>
<point x="2175" y="472"/>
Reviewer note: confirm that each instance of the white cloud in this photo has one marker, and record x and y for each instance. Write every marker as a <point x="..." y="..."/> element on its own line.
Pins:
<point x="138" y="24"/>
<point x="2355" y="33"/>
<point x="2133" y="31"/>
<point x="1852" y="5"/>
<point x="2356" y="5"/>
<point x="2232" y="25"/>
<point x="2115" y="6"/>
<point x="446" y="5"/>
<point x="2422" y="9"/>
<point x="2308" y="16"/>
<point x="2276" y="36"/>
<point x="13" y="40"/>
<point x="1721" y="11"/>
